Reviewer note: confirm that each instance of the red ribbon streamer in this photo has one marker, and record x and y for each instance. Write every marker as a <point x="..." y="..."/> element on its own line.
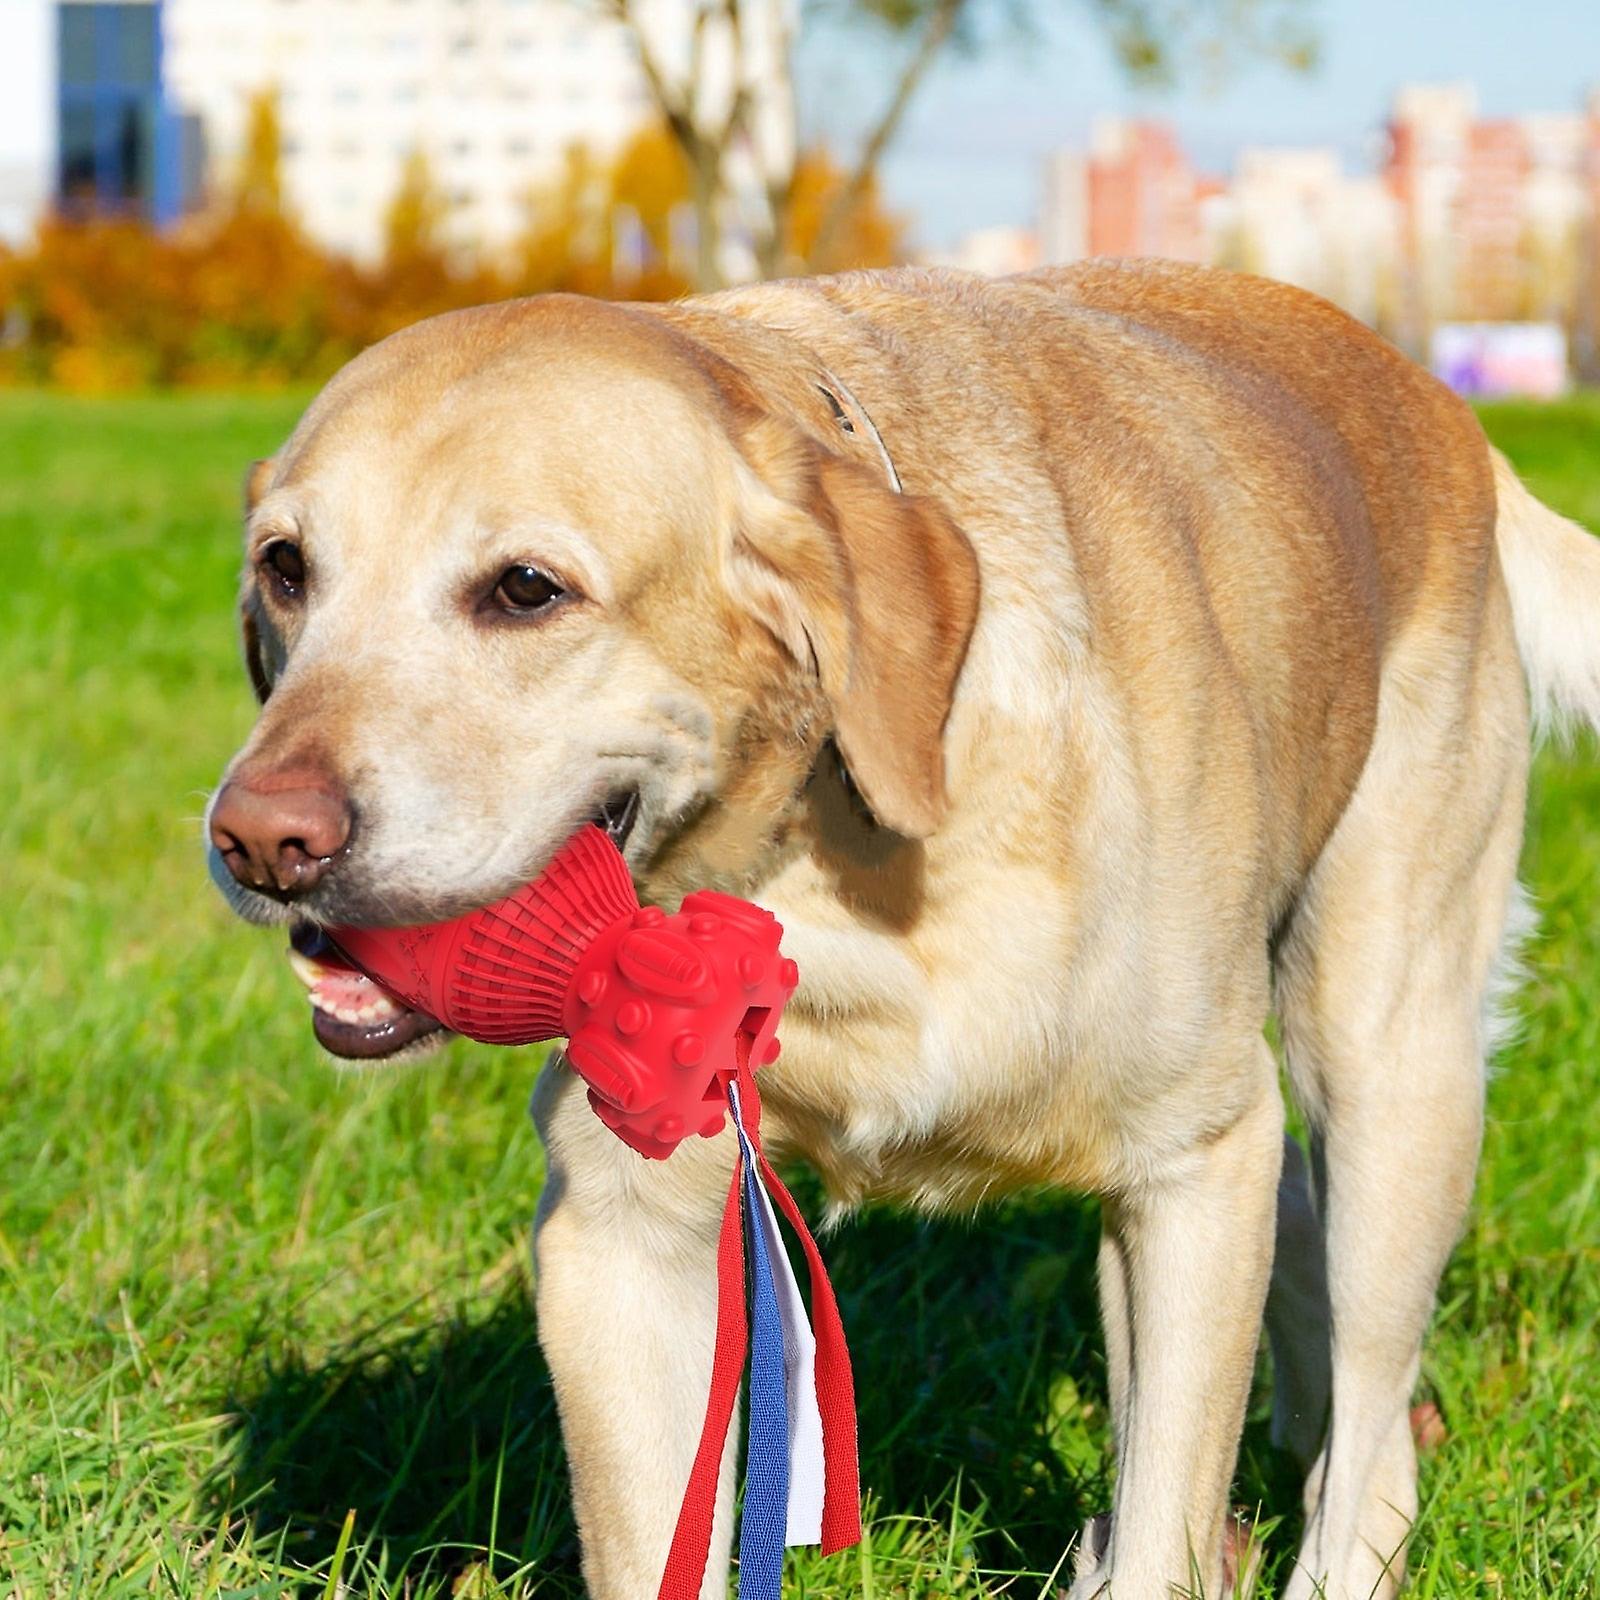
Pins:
<point x="841" y="1494"/>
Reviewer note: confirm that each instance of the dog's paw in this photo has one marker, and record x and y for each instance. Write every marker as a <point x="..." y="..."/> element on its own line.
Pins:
<point x="1241" y="1560"/>
<point x="1428" y="1431"/>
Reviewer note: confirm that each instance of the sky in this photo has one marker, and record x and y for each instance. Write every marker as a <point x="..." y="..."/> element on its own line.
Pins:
<point x="970" y="152"/>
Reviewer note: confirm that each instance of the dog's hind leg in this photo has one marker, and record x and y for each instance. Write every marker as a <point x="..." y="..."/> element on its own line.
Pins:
<point x="1383" y="975"/>
<point x="1183" y="1277"/>
<point x="625" y="1251"/>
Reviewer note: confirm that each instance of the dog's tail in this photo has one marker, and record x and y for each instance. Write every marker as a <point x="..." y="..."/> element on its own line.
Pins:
<point x="1552" y="570"/>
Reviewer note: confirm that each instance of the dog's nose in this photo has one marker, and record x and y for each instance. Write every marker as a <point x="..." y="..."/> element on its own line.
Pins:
<point x="279" y="831"/>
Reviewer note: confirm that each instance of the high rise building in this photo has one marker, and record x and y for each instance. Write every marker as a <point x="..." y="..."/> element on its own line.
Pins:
<point x="1295" y="214"/>
<point x="1142" y="192"/>
<point x="1133" y="194"/>
<point x="1494" y="213"/>
<point x="1064" y="207"/>
<point x="1468" y="219"/>
<point x="994" y="252"/>
<point x="27" y="115"/>
<point x="85" y="122"/>
<point x="1429" y="129"/>
<point x="117" y="138"/>
<point x="1488" y="222"/>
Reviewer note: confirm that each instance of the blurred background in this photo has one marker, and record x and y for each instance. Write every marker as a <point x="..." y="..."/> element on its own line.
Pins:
<point x="210" y="191"/>
<point x="266" y="1329"/>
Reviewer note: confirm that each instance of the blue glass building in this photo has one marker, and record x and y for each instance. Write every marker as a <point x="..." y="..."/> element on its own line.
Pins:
<point x="119" y="144"/>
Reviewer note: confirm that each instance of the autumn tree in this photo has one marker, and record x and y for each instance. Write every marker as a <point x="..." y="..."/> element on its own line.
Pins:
<point x="859" y="232"/>
<point x="258" y="183"/>
<point x="651" y="179"/>
<point x="567" y="245"/>
<point x="413" y="224"/>
<point x="421" y="272"/>
<point x="1588" y="314"/>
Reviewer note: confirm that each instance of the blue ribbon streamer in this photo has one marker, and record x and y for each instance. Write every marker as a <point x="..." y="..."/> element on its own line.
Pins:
<point x="766" y="1491"/>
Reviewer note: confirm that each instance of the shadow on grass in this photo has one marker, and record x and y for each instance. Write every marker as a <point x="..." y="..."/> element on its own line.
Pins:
<point x="978" y="1372"/>
<point x="442" y="1441"/>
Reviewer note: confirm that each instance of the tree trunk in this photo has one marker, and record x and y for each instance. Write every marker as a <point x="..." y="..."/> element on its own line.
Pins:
<point x="938" y="30"/>
<point x="707" y="220"/>
<point x="772" y="244"/>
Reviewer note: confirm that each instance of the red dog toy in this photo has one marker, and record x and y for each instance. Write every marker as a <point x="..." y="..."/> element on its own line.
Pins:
<point x="656" y="1009"/>
<point x="666" y="1019"/>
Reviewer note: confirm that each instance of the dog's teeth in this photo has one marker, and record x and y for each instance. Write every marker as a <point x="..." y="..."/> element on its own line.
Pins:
<point x="308" y="970"/>
<point x="345" y="1013"/>
<point x="361" y="1004"/>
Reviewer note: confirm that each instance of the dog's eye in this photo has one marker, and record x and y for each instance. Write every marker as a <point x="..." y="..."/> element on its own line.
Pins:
<point x="283" y="562"/>
<point x="527" y="589"/>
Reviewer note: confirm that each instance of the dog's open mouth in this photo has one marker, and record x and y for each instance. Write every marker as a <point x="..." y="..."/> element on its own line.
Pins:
<point x="350" y="1015"/>
<point x="357" y="1020"/>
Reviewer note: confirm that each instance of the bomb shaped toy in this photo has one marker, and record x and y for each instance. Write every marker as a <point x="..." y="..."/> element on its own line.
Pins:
<point x="658" y="1009"/>
<point x="667" y="1016"/>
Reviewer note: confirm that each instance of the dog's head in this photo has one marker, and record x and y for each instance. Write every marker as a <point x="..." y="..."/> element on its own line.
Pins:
<point x="552" y="561"/>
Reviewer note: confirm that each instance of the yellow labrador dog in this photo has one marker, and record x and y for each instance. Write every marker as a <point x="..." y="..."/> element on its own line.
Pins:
<point x="1083" y="666"/>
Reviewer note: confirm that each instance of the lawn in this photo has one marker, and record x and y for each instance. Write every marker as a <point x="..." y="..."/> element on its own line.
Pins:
<point x="264" y="1326"/>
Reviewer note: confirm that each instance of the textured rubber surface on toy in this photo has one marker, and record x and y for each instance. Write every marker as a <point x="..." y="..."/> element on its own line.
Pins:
<point x="651" y="1003"/>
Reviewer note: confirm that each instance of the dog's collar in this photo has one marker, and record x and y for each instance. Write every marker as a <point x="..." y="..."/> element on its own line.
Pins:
<point x="852" y="418"/>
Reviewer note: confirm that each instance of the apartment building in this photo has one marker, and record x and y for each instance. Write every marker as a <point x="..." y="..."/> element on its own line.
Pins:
<point x="1133" y="193"/>
<point x="143" y="104"/>
<point x="1466" y="219"/>
<point x="494" y="93"/>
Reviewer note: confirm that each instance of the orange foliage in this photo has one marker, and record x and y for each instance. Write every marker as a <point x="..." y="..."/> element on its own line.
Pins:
<point x="868" y="236"/>
<point x="419" y="275"/>
<point x="651" y="177"/>
<point x="259" y="186"/>
<point x="586" y="229"/>
<point x="413" y="226"/>
<point x="242" y="295"/>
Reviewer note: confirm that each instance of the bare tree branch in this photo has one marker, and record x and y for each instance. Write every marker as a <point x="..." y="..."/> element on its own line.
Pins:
<point x="705" y="143"/>
<point x="675" y="107"/>
<point x="739" y="86"/>
<point x="697" y="58"/>
<point x="778" y="175"/>
<point x="941" y="23"/>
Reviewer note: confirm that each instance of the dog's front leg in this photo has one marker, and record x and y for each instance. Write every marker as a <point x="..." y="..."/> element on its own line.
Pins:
<point x="1184" y="1273"/>
<point x="625" y="1254"/>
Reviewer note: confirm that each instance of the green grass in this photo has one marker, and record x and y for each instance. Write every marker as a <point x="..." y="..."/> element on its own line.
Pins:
<point x="242" y="1297"/>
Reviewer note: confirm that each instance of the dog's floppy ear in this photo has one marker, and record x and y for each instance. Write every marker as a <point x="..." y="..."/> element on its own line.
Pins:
<point x="879" y="591"/>
<point x="256" y="481"/>
<point x="255" y="647"/>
